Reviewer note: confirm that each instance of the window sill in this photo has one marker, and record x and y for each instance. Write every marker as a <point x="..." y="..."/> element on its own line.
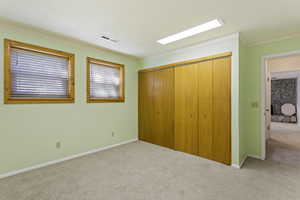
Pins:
<point x="38" y="101"/>
<point x="105" y="100"/>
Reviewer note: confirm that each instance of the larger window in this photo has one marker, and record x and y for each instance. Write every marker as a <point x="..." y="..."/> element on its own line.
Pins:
<point x="105" y="81"/>
<point x="36" y="74"/>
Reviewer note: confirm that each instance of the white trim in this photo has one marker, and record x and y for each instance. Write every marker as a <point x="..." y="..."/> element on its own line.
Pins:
<point x="243" y="160"/>
<point x="241" y="164"/>
<point x="256" y="157"/>
<point x="236" y="166"/>
<point x="12" y="173"/>
<point x="262" y="107"/>
<point x="263" y="97"/>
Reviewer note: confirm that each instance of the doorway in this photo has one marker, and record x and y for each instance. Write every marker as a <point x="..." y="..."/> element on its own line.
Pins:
<point x="281" y="106"/>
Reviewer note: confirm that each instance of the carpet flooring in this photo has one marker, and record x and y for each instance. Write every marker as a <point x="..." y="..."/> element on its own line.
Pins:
<point x="142" y="171"/>
<point x="284" y="144"/>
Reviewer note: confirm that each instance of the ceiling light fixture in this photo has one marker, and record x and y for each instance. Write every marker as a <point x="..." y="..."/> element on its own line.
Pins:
<point x="192" y="31"/>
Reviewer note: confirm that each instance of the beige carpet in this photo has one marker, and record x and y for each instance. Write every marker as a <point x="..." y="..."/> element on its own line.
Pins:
<point x="284" y="144"/>
<point x="142" y="171"/>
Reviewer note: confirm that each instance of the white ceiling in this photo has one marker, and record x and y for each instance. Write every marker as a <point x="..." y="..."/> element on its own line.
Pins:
<point x="138" y="24"/>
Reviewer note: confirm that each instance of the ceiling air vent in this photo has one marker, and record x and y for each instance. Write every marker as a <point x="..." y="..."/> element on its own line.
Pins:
<point x="108" y="38"/>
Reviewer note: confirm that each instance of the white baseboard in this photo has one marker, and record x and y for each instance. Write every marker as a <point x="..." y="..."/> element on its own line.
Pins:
<point x="243" y="160"/>
<point x="12" y="173"/>
<point x="241" y="164"/>
<point x="235" y="166"/>
<point x="256" y="157"/>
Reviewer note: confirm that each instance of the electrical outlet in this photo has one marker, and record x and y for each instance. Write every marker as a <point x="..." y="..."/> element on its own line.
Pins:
<point x="112" y="134"/>
<point x="58" y="145"/>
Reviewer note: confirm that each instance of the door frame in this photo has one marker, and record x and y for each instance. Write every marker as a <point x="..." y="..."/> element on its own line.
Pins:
<point x="264" y="70"/>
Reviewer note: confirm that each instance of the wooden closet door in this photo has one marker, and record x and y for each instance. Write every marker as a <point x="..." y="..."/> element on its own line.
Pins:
<point x="205" y="103"/>
<point x="163" y="127"/>
<point x="146" y="106"/>
<point x="186" y="109"/>
<point x="221" y="141"/>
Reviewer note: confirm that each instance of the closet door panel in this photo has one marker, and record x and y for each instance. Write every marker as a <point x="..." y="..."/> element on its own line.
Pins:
<point x="186" y="109"/>
<point x="221" y="146"/>
<point x="205" y="75"/>
<point x="164" y="107"/>
<point x="221" y="137"/>
<point x="146" y="106"/>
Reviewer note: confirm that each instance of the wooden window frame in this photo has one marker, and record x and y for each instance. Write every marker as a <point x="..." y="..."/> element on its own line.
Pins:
<point x="8" y="44"/>
<point x="107" y="64"/>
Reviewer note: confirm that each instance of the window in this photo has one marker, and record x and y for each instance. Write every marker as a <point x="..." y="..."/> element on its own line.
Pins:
<point x="37" y="75"/>
<point x="105" y="81"/>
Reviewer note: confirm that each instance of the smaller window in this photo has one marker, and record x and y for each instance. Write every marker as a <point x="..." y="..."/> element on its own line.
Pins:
<point x="36" y="74"/>
<point x="105" y="81"/>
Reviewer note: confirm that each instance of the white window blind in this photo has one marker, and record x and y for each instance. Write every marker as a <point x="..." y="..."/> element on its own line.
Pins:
<point x="38" y="75"/>
<point x="104" y="82"/>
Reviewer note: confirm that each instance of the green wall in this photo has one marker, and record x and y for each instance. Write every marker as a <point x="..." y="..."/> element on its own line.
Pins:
<point x="29" y="132"/>
<point x="250" y="83"/>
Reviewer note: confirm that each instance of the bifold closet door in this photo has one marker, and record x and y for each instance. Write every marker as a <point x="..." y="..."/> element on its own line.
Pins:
<point x="156" y="107"/>
<point x="163" y="127"/>
<point x="221" y="140"/>
<point x="186" y="108"/>
<point x="205" y="108"/>
<point x="146" y="106"/>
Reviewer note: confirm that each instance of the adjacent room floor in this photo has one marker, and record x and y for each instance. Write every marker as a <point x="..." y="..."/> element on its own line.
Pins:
<point x="284" y="144"/>
<point x="142" y="171"/>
